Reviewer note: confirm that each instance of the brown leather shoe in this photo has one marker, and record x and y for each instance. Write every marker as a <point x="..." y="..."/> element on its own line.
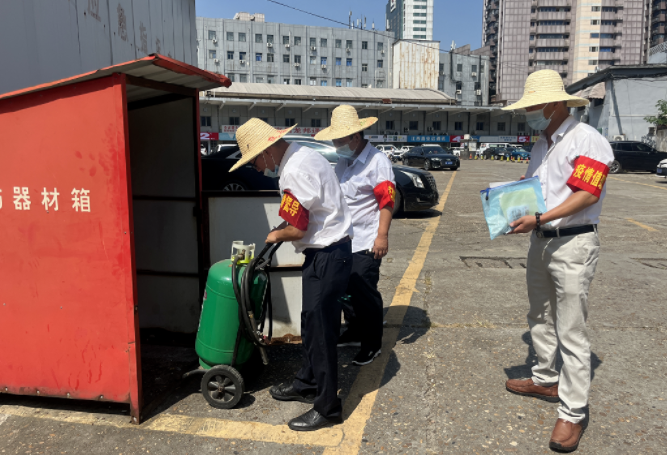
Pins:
<point x="566" y="436"/>
<point x="528" y="388"/>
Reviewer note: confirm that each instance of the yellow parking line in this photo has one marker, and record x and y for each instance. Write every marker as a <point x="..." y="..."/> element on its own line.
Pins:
<point x="360" y="401"/>
<point x="648" y="228"/>
<point x="637" y="183"/>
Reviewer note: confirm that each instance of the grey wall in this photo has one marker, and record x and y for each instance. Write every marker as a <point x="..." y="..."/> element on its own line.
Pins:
<point x="43" y="41"/>
<point x="448" y="76"/>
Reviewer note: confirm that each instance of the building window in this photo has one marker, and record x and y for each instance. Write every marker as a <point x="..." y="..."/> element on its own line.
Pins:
<point x="437" y="126"/>
<point x="521" y="126"/>
<point x="297" y="81"/>
<point x="258" y="38"/>
<point x="339" y="82"/>
<point x="285" y="58"/>
<point x="230" y="55"/>
<point x="315" y="123"/>
<point x="230" y="36"/>
<point x="323" y="60"/>
<point x="458" y="126"/>
<point x="286" y="39"/>
<point x="473" y="68"/>
<point x="459" y="85"/>
<point x="348" y="62"/>
<point x="364" y="45"/>
<point x="205" y="120"/>
<point x="269" y="39"/>
<point x="479" y="126"/>
<point x="259" y="80"/>
<point x="313" y="59"/>
<point x="364" y="67"/>
<point x="297" y="41"/>
<point x="232" y="77"/>
<point x="380" y="63"/>
<point x="414" y="125"/>
<point x="501" y="126"/>
<point x="285" y="81"/>
<point x="459" y="67"/>
<point x="338" y="61"/>
<point x="241" y="37"/>
<point x="339" y="44"/>
<point x="264" y="119"/>
<point x="364" y="85"/>
<point x="478" y="86"/>
<point x="211" y="54"/>
<point x="270" y="79"/>
<point x="211" y="34"/>
<point x="380" y="47"/>
<point x="380" y="83"/>
<point x="290" y="122"/>
<point x="595" y="8"/>
<point x="594" y="49"/>
<point x="348" y="83"/>
<point x="595" y="35"/>
<point x="297" y="59"/>
<point x="313" y="81"/>
<point x="243" y="78"/>
<point x="258" y="57"/>
<point x="592" y="62"/>
<point x="323" y="83"/>
<point x="313" y="42"/>
<point x="389" y="125"/>
<point x="323" y="42"/>
<point x="269" y="58"/>
<point x="242" y="56"/>
<point x="348" y="44"/>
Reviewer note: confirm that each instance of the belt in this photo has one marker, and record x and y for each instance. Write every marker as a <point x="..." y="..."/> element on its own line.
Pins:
<point x="327" y="248"/>
<point x="565" y="232"/>
<point x="366" y="252"/>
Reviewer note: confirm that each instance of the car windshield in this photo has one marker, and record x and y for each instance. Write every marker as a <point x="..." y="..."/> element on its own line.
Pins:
<point x="327" y="151"/>
<point x="434" y="150"/>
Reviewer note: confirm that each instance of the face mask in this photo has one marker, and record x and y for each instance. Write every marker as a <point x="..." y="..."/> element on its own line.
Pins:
<point x="345" y="151"/>
<point x="536" y="120"/>
<point x="268" y="172"/>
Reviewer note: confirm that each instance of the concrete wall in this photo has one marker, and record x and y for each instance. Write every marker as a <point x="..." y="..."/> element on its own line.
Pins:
<point x="449" y="76"/>
<point x="635" y="99"/>
<point x="416" y="64"/>
<point x="43" y="41"/>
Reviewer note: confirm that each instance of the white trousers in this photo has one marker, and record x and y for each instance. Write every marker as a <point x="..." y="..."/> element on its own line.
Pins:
<point x="559" y="272"/>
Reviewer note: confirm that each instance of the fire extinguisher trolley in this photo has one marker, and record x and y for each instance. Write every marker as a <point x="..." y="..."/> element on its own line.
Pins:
<point x="100" y="226"/>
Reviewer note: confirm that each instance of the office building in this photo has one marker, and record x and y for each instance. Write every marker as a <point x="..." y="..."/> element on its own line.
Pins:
<point x="572" y="37"/>
<point x="410" y="19"/>
<point x="657" y="18"/>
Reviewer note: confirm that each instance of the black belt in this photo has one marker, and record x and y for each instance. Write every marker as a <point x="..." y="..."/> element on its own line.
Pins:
<point x="366" y="252"/>
<point x="565" y="232"/>
<point x="327" y="248"/>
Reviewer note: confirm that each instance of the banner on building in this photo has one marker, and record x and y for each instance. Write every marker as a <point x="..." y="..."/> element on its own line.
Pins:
<point x="396" y="138"/>
<point x="208" y="136"/>
<point x="428" y="139"/>
<point x="456" y="139"/>
<point x="534" y="138"/>
<point x="374" y="137"/>
<point x="524" y="139"/>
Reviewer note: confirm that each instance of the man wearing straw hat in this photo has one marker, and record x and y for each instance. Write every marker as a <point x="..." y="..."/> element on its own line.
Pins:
<point x="572" y="161"/>
<point x="319" y="225"/>
<point x="367" y="181"/>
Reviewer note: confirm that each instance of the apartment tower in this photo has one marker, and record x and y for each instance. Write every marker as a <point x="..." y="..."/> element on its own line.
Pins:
<point x="410" y="19"/>
<point x="573" y="37"/>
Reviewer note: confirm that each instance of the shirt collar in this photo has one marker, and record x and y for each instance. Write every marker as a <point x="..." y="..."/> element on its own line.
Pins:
<point x="293" y="147"/>
<point x="363" y="156"/>
<point x="562" y="129"/>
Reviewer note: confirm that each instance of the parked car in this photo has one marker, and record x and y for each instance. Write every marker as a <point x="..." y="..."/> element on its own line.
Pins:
<point x="431" y="157"/>
<point x="407" y="148"/>
<point x="635" y="156"/>
<point x="216" y="176"/>
<point x="662" y="168"/>
<point x="519" y="154"/>
<point x="391" y="151"/>
<point x="487" y="145"/>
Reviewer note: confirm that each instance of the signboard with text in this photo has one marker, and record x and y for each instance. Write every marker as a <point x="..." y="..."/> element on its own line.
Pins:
<point x="429" y="139"/>
<point x="374" y="137"/>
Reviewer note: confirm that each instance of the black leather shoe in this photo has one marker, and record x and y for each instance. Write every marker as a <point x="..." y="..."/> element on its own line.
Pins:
<point x="285" y="392"/>
<point x="311" y="421"/>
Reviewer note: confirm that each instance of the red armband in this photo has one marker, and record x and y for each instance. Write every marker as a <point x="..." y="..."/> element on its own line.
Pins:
<point x="589" y="175"/>
<point x="293" y="212"/>
<point x="385" y="193"/>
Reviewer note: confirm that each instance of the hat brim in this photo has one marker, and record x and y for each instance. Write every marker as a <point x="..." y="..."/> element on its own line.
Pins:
<point x="258" y="148"/>
<point x="337" y="132"/>
<point x="537" y="98"/>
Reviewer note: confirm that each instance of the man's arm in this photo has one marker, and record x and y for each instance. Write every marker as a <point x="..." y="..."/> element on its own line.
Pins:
<point x="286" y="234"/>
<point x="574" y="204"/>
<point x="381" y="246"/>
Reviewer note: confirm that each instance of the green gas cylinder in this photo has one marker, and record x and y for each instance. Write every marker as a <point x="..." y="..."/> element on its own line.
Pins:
<point x="219" y="321"/>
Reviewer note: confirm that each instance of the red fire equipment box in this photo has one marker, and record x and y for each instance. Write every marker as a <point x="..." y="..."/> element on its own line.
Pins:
<point x="100" y="226"/>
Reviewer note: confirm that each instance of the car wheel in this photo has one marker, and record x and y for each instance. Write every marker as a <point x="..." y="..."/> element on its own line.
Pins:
<point x="398" y="204"/>
<point x="427" y="165"/>
<point x="615" y="167"/>
<point x="234" y="186"/>
<point x="406" y="162"/>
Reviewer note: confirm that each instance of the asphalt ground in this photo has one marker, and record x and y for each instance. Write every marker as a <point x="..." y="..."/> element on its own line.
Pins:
<point x="456" y="306"/>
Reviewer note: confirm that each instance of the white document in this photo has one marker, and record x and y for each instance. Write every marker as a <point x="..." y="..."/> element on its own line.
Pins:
<point x="497" y="184"/>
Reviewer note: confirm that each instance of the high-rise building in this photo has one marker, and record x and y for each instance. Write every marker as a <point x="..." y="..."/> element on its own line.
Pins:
<point x="410" y="19"/>
<point x="573" y="37"/>
<point x="657" y="18"/>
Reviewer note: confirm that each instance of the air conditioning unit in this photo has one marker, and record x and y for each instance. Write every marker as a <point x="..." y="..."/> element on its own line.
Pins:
<point x="313" y="48"/>
<point x="296" y="65"/>
<point x="216" y="61"/>
<point x="458" y="92"/>
<point x="242" y="62"/>
<point x="382" y="51"/>
<point x="269" y="44"/>
<point x="473" y="74"/>
<point x="287" y="45"/>
<point x="348" y="49"/>
<point x="324" y="67"/>
<point x="215" y="41"/>
<point x="619" y="137"/>
<point x="478" y="92"/>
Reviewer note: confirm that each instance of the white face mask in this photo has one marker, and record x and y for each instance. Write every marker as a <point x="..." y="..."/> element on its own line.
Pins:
<point x="345" y="151"/>
<point x="537" y="121"/>
<point x="268" y="172"/>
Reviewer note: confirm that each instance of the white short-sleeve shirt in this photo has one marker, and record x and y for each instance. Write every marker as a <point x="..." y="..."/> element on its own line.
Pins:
<point x="555" y="165"/>
<point x="308" y="176"/>
<point x="358" y="178"/>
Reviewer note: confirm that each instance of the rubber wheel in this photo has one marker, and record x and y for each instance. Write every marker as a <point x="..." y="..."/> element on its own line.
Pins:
<point x="615" y="167"/>
<point x="234" y="186"/>
<point x="398" y="204"/>
<point x="222" y="386"/>
<point x="427" y="165"/>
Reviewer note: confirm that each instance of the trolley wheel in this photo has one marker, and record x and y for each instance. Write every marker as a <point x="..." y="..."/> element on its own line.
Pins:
<point x="222" y="386"/>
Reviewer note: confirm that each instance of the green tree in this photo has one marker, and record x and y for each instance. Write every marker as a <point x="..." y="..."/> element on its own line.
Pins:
<point x="661" y="118"/>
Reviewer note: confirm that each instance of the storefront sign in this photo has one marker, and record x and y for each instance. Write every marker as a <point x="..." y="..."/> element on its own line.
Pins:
<point x="524" y="139"/>
<point x="227" y="137"/>
<point x="374" y="137"/>
<point x="427" y="139"/>
<point x="228" y="128"/>
<point x="396" y="138"/>
<point x="456" y="139"/>
<point x="208" y="136"/>
<point x="534" y="138"/>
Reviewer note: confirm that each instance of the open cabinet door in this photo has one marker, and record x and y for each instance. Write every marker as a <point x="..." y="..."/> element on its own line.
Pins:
<point x="68" y="320"/>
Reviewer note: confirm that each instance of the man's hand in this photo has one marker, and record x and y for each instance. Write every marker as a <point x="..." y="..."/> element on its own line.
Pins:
<point x="523" y="177"/>
<point x="523" y="225"/>
<point x="273" y="236"/>
<point x="381" y="246"/>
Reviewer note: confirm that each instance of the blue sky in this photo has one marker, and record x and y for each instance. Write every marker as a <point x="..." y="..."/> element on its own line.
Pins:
<point x="459" y="20"/>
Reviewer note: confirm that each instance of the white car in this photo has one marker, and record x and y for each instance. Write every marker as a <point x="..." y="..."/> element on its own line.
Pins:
<point x="662" y="168"/>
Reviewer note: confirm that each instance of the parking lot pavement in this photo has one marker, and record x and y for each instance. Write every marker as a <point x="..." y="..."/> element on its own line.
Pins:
<point x="456" y="305"/>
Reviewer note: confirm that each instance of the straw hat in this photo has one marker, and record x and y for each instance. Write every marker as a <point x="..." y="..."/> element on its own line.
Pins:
<point x="255" y="136"/>
<point x="344" y="122"/>
<point x="545" y="86"/>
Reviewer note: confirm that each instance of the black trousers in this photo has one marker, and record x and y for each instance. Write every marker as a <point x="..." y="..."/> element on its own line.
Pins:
<point x="363" y="310"/>
<point x="325" y="276"/>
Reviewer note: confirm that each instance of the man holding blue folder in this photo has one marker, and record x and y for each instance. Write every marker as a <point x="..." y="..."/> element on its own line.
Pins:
<point x="572" y="161"/>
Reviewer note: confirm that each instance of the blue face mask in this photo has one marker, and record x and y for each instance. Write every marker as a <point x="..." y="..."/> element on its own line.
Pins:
<point x="271" y="173"/>
<point x="345" y="151"/>
<point x="537" y="121"/>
